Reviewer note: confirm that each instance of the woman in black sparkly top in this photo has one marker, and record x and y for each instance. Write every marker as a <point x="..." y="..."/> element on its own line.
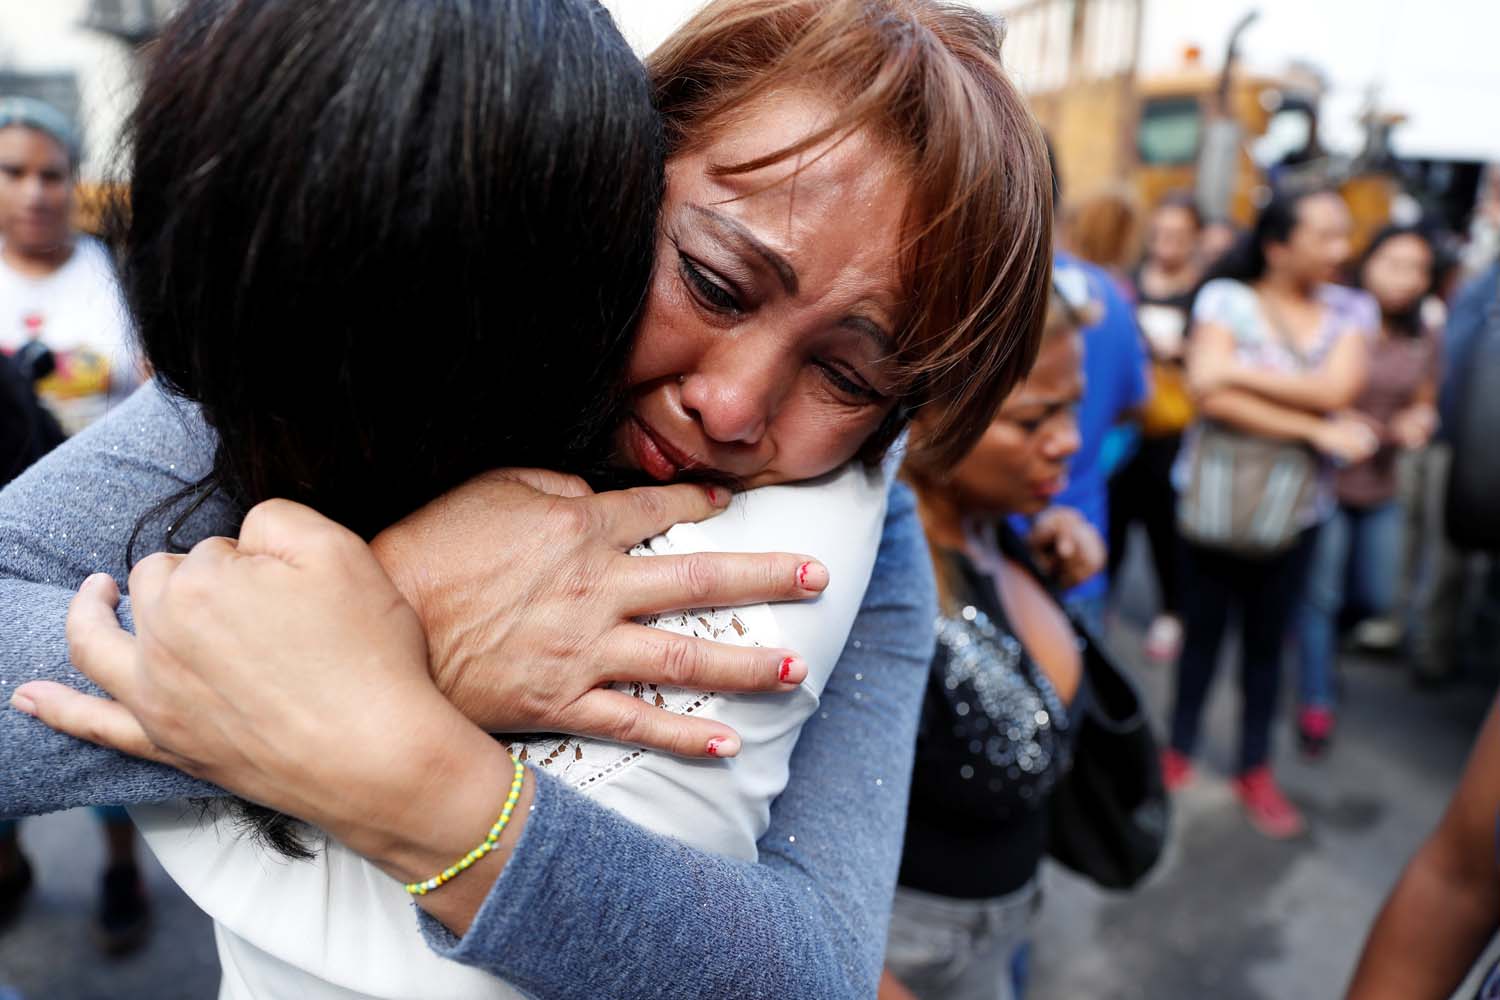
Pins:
<point x="1004" y="690"/>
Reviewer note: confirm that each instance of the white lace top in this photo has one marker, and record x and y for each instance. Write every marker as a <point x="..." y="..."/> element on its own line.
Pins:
<point x="337" y="928"/>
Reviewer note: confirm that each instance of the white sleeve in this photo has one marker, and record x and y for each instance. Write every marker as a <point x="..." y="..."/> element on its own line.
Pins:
<point x="336" y="927"/>
<point x="724" y="806"/>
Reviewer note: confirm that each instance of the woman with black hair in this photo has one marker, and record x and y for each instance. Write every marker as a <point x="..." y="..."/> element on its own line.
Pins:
<point x="1357" y="563"/>
<point x="1278" y="355"/>
<point x="1141" y="489"/>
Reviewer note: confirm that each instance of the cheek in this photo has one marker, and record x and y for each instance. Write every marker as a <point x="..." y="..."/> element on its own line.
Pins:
<point x="993" y="475"/>
<point x="814" y="436"/>
<point x="669" y="336"/>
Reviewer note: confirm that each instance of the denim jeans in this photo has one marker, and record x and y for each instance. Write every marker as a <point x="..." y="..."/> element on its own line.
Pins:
<point x="1356" y="566"/>
<point x="961" y="949"/>
<point x="1266" y="593"/>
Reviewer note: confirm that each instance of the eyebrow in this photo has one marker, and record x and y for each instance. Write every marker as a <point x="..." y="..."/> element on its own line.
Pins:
<point x="787" y="274"/>
<point x="784" y="270"/>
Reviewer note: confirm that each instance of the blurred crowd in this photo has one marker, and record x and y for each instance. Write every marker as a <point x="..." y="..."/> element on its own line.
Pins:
<point x="1224" y="355"/>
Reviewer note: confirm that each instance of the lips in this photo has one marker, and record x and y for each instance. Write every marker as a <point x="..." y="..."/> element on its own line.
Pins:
<point x="1049" y="488"/>
<point x="655" y="455"/>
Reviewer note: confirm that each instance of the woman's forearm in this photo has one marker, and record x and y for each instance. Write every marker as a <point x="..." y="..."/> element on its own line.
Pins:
<point x="67" y="517"/>
<point x="1447" y="904"/>
<point x="45" y="771"/>
<point x="808" y="920"/>
<point x="1314" y="391"/>
<point x="1427" y="935"/>
<point x="1246" y="411"/>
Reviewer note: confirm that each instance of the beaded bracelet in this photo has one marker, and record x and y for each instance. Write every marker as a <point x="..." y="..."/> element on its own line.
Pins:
<point x="463" y="863"/>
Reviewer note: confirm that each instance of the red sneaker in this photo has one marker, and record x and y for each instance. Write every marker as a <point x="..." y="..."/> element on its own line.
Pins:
<point x="1315" y="730"/>
<point x="1269" y="811"/>
<point x="1176" y="769"/>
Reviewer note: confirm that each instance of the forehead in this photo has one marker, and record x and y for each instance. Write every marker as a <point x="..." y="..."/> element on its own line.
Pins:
<point x="835" y="211"/>
<point x="1407" y="248"/>
<point x="35" y="148"/>
<point x="1322" y="212"/>
<point x="1057" y="374"/>
<point x="1174" y="216"/>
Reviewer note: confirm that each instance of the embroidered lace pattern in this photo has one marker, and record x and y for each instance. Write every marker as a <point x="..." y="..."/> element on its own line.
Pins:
<point x="584" y="762"/>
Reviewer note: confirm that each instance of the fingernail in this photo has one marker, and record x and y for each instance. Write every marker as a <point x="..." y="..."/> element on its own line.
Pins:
<point x="723" y="746"/>
<point x="21" y="703"/>
<point x="718" y="496"/>
<point x="812" y="576"/>
<point x="792" y="671"/>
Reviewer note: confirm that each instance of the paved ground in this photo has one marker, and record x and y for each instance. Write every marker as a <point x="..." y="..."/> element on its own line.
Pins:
<point x="1230" y="916"/>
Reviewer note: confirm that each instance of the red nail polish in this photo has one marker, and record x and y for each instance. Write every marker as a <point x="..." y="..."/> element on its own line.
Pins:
<point x="786" y="669"/>
<point x="714" y="745"/>
<point x="713" y="495"/>
<point x="802" y="575"/>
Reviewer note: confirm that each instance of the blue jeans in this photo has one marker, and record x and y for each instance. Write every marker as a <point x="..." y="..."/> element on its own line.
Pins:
<point x="1355" y="567"/>
<point x="1266" y="593"/>
<point x="962" y="949"/>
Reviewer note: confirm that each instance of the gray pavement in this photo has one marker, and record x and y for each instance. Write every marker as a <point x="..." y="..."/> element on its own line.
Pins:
<point x="1233" y="916"/>
<point x="1229" y="916"/>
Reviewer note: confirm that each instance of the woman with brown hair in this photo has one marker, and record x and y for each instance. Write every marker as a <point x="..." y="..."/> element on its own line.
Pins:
<point x="827" y="165"/>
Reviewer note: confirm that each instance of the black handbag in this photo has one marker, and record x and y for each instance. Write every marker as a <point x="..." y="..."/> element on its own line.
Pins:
<point x="1110" y="813"/>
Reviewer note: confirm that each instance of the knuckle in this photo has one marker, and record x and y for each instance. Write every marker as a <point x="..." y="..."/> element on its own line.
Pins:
<point x="697" y="577"/>
<point x="652" y="504"/>
<point x="679" y="661"/>
<point x="577" y="519"/>
<point x="629" y="725"/>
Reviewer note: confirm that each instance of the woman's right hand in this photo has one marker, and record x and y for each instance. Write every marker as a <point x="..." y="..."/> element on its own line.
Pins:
<point x="1346" y="438"/>
<point x="526" y="593"/>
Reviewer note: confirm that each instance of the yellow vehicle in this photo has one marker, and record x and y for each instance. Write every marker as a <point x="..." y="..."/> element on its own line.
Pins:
<point x="1188" y="129"/>
<point x="94" y="200"/>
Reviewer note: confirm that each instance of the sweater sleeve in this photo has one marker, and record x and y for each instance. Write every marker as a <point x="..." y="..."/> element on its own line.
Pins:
<point x="630" y="914"/>
<point x="68" y="516"/>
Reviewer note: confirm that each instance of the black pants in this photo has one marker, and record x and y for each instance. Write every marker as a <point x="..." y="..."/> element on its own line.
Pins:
<point x="1141" y="490"/>
<point x="1266" y="592"/>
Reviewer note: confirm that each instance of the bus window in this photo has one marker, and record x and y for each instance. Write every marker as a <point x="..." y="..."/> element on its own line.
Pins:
<point x="1169" y="131"/>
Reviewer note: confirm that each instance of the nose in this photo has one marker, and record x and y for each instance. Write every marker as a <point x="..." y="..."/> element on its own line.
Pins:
<point x="736" y="390"/>
<point x="34" y="192"/>
<point x="1061" y="440"/>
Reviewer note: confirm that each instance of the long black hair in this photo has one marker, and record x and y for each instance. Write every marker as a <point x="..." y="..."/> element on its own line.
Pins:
<point x="388" y="244"/>
<point x="1245" y="261"/>
<point x="1408" y="322"/>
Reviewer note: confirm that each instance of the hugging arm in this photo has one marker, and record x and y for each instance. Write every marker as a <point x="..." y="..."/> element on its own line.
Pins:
<point x="808" y="920"/>
<point x="1442" y="912"/>
<point x="69" y="516"/>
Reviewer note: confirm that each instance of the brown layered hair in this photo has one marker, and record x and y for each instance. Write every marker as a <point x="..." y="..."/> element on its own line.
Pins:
<point x="1104" y="228"/>
<point x="924" y="77"/>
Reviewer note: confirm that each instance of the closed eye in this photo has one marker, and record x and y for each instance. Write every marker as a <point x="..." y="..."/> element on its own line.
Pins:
<point x="843" y="382"/>
<point x="712" y="294"/>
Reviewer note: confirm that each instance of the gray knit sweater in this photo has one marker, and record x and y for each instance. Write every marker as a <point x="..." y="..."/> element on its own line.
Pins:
<point x="590" y="905"/>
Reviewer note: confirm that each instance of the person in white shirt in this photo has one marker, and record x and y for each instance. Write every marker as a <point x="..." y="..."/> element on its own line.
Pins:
<point x="57" y="286"/>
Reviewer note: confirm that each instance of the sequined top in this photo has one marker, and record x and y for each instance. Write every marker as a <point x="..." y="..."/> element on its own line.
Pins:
<point x="994" y="740"/>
